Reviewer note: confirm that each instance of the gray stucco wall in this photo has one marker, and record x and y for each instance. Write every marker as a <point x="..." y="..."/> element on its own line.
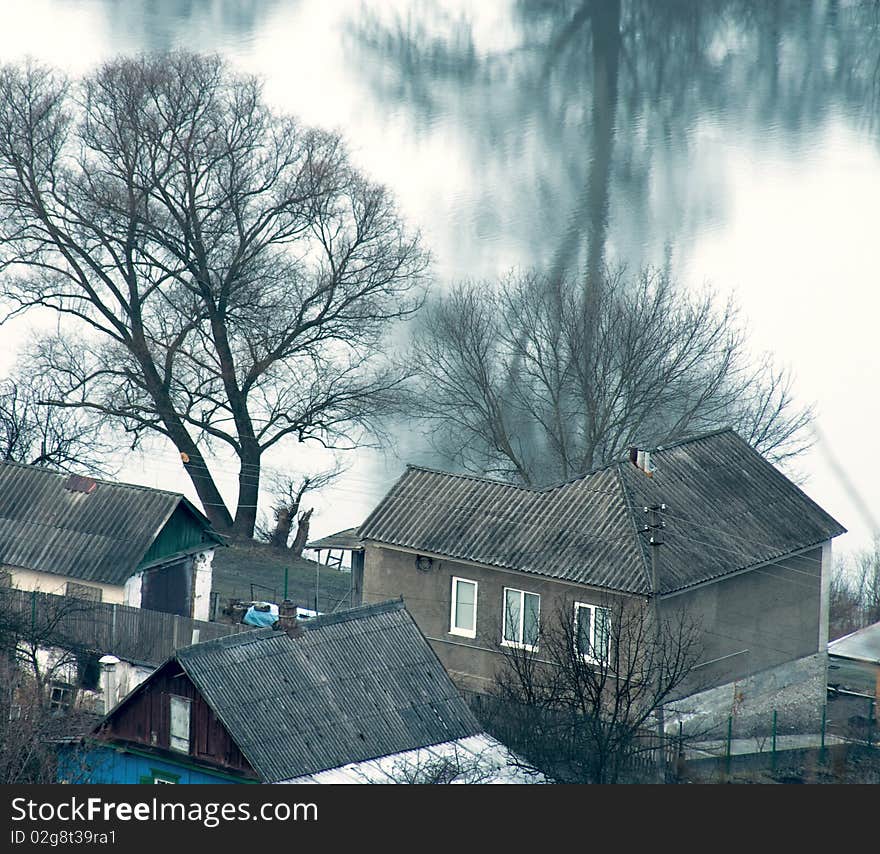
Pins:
<point x="472" y="662"/>
<point x="755" y="620"/>
<point x="749" y="623"/>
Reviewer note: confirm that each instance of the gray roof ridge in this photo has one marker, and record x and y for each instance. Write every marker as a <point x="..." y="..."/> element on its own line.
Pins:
<point x="357" y="613"/>
<point x="628" y="503"/>
<point x="498" y="482"/>
<point x="125" y="484"/>
<point x="224" y="642"/>
<point x="695" y="437"/>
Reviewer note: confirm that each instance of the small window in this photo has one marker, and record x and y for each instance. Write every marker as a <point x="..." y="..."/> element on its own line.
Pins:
<point x="84" y="591"/>
<point x="180" y="715"/>
<point x="60" y="696"/>
<point x="591" y="630"/>
<point x="156" y="777"/>
<point x="463" y="619"/>
<point x="522" y="617"/>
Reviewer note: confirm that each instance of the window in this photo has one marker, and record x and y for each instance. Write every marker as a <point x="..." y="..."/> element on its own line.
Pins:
<point x="463" y="620"/>
<point x="522" y="613"/>
<point x="180" y="709"/>
<point x="84" y="591"/>
<point x="60" y="696"/>
<point x="157" y="777"/>
<point x="591" y="630"/>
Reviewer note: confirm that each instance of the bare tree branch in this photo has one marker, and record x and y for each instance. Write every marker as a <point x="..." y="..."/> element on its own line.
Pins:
<point x="235" y="273"/>
<point x="511" y="387"/>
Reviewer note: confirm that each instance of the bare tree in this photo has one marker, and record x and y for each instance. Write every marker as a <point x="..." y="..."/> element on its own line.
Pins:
<point x="43" y="669"/>
<point x="33" y="432"/>
<point x="229" y="274"/>
<point x="432" y="768"/>
<point x="288" y="494"/>
<point x="39" y="632"/>
<point x="855" y="592"/>
<point x="511" y="387"/>
<point x="580" y="705"/>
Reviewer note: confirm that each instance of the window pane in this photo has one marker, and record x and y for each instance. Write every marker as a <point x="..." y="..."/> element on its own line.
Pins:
<point x="603" y="619"/>
<point x="512" y="600"/>
<point x="465" y="601"/>
<point x="532" y="612"/>
<point x="180" y="723"/>
<point x="584" y="617"/>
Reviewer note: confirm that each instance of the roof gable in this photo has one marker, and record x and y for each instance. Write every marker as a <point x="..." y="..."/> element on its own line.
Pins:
<point x="728" y="509"/>
<point x="98" y="533"/>
<point x="354" y="686"/>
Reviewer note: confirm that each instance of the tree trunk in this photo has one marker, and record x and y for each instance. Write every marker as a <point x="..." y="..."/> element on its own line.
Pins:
<point x="283" y="522"/>
<point x="248" y="490"/>
<point x="302" y="532"/>
<point x="193" y="462"/>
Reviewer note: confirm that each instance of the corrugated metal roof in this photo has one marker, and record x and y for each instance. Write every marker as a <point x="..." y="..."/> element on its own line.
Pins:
<point x="727" y="509"/>
<point x="353" y="686"/>
<point x="347" y="539"/>
<point x="95" y="536"/>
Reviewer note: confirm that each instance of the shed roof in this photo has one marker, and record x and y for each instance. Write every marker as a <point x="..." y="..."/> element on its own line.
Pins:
<point x="728" y="509"/>
<point x="352" y="686"/>
<point x="347" y="540"/>
<point x="861" y="645"/>
<point x="95" y="530"/>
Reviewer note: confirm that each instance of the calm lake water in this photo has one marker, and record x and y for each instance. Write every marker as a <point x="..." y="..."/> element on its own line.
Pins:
<point x="736" y="140"/>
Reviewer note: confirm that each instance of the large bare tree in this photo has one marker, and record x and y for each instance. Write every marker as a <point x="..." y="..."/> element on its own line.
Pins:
<point x="35" y="433"/>
<point x="231" y="274"/>
<point x="536" y="379"/>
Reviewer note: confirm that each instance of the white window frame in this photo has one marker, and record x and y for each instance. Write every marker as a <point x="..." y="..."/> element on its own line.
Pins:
<point x="172" y="736"/>
<point x="453" y="611"/>
<point x="520" y="644"/>
<point x="593" y="609"/>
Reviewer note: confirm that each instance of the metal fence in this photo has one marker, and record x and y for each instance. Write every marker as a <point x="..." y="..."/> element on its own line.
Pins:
<point x="133" y="634"/>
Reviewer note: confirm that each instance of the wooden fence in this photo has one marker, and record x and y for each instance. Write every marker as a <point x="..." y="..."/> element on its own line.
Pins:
<point x="133" y="634"/>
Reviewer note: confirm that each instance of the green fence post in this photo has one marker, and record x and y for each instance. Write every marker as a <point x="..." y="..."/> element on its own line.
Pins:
<point x="824" y="721"/>
<point x="773" y="748"/>
<point x="286" y="574"/>
<point x="729" y="738"/>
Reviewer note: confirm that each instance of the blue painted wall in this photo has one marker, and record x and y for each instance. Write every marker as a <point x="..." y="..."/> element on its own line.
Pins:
<point x="100" y="764"/>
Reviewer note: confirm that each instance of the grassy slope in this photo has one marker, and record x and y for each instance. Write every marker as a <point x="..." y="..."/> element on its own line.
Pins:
<point x="239" y="566"/>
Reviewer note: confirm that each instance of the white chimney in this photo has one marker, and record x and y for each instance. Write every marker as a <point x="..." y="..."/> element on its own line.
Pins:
<point x="108" y="666"/>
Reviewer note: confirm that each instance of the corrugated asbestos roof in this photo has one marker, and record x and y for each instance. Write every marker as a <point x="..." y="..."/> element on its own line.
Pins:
<point x="353" y="686"/>
<point x="727" y="509"/>
<point x="347" y="540"/>
<point x="95" y="536"/>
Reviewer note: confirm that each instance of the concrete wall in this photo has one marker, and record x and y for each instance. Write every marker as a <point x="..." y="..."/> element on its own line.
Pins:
<point x="757" y="619"/>
<point x="47" y="582"/>
<point x="795" y="690"/>
<point x="472" y="662"/>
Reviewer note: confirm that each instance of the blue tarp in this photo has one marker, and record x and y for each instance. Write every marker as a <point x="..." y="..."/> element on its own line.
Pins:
<point x="253" y="617"/>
